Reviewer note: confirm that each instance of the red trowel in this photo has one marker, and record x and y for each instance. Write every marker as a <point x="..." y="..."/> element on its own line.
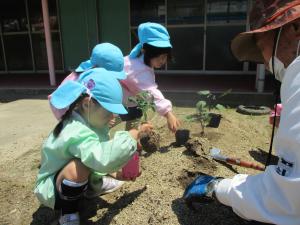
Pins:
<point x="216" y="154"/>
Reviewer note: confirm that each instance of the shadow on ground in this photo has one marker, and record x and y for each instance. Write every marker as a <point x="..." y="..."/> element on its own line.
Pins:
<point x="88" y="209"/>
<point x="209" y="214"/>
<point x="261" y="156"/>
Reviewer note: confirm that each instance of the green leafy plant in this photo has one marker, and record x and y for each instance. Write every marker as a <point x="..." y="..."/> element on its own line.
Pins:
<point x="144" y="101"/>
<point x="204" y="106"/>
<point x="211" y="100"/>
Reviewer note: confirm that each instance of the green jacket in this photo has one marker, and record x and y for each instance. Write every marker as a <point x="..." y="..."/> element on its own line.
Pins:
<point x="93" y="148"/>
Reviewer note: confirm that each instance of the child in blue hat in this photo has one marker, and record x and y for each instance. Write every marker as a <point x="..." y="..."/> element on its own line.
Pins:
<point x="79" y="145"/>
<point x="151" y="53"/>
<point x="105" y="55"/>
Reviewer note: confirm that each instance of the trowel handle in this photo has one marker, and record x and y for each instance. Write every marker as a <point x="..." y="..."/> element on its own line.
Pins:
<point x="242" y="163"/>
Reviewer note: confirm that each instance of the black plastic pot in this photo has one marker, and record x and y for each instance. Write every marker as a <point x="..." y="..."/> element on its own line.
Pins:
<point x="214" y="120"/>
<point x="182" y="136"/>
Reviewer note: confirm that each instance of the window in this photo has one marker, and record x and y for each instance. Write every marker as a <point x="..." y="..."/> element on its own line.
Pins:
<point x="17" y="51"/>
<point x="201" y="30"/>
<point x="2" y="64"/>
<point x="218" y="53"/>
<point x="187" y="48"/>
<point x="186" y="12"/>
<point x="13" y="16"/>
<point x="22" y="32"/>
<point x="226" y="11"/>
<point x="16" y="41"/>
<point x="147" y="11"/>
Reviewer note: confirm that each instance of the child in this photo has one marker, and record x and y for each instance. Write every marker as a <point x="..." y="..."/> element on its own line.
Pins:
<point x="78" y="145"/>
<point x="151" y="53"/>
<point x="105" y="55"/>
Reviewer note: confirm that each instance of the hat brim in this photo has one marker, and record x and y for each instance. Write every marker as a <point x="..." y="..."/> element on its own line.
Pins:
<point x="244" y="47"/>
<point x="86" y="65"/>
<point x="66" y="94"/>
<point x="119" y="75"/>
<point x="114" y="108"/>
<point x="160" y="44"/>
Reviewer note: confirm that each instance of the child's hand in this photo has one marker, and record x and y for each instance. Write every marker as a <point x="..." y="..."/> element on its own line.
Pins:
<point x="112" y="122"/>
<point x="173" y="122"/>
<point x="145" y="127"/>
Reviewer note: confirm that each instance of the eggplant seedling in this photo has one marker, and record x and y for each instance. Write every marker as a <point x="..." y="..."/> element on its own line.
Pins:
<point x="144" y="100"/>
<point x="207" y="103"/>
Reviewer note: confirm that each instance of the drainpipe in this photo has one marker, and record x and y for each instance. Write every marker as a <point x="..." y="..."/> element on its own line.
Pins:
<point x="260" y="78"/>
<point x="48" y="42"/>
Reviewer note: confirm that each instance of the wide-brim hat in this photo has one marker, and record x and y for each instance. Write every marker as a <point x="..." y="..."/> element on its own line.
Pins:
<point x="265" y="15"/>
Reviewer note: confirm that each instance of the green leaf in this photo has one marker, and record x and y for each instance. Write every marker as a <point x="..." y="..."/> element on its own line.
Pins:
<point x="132" y="99"/>
<point x="225" y="93"/>
<point x="220" y="107"/>
<point x="206" y="92"/>
<point x="191" y="118"/>
<point x="201" y="105"/>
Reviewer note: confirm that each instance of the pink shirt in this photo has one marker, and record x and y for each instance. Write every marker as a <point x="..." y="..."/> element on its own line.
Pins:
<point x="141" y="77"/>
<point x="58" y="113"/>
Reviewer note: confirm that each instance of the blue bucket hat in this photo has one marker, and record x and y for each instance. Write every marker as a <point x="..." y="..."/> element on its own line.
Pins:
<point x="107" y="56"/>
<point x="99" y="84"/>
<point x="153" y="34"/>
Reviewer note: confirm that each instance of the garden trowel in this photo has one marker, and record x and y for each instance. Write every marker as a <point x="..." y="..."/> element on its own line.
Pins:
<point x="216" y="154"/>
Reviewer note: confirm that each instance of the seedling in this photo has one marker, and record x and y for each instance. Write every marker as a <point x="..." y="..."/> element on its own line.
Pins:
<point x="212" y="99"/>
<point x="204" y="107"/>
<point x="145" y="102"/>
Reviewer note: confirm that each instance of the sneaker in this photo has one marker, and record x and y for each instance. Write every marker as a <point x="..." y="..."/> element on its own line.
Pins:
<point x="69" y="219"/>
<point x="109" y="185"/>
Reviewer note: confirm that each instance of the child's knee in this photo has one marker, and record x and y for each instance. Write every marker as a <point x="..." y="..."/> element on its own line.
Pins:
<point x="80" y="169"/>
<point x="74" y="171"/>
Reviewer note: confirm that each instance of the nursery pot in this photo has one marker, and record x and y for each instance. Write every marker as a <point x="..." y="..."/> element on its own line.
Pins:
<point x="182" y="137"/>
<point x="214" y="120"/>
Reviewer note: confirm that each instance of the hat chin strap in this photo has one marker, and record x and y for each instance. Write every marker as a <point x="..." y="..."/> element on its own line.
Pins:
<point x="277" y="42"/>
<point x="90" y="98"/>
<point x="136" y="51"/>
<point x="276" y="93"/>
<point x="298" y="48"/>
<point x="89" y="111"/>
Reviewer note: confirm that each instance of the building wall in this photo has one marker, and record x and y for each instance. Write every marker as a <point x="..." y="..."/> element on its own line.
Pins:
<point x="115" y="23"/>
<point x="201" y="32"/>
<point x="86" y="23"/>
<point x="76" y="27"/>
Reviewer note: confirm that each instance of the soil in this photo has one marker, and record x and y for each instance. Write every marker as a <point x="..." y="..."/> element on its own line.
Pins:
<point x="198" y="147"/>
<point x="150" y="141"/>
<point x="156" y="196"/>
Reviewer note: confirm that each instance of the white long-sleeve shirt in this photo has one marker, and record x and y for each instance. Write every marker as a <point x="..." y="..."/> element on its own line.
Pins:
<point x="270" y="197"/>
